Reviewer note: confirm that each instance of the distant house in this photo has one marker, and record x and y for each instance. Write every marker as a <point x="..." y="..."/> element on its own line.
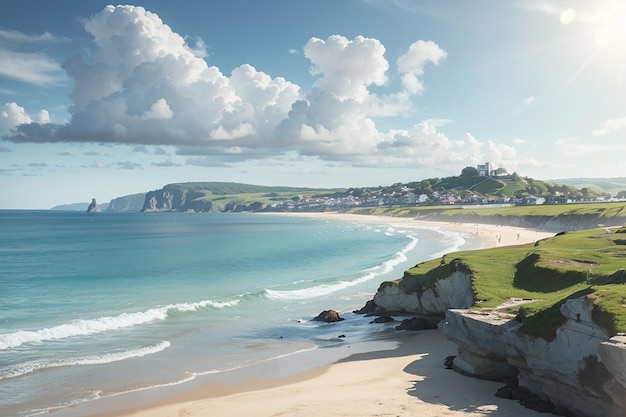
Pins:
<point x="531" y="201"/>
<point x="485" y="170"/>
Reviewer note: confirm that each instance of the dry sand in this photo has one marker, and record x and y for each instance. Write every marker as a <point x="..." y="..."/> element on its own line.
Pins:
<point x="409" y="380"/>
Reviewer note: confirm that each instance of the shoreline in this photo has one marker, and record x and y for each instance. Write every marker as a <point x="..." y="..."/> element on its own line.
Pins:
<point x="367" y="380"/>
<point x="405" y="381"/>
<point x="491" y="235"/>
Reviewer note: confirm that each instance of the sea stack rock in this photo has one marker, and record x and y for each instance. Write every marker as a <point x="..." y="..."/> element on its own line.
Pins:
<point x="93" y="207"/>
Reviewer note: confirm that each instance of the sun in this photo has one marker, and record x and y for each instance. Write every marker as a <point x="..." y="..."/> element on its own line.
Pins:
<point x="601" y="27"/>
<point x="610" y="27"/>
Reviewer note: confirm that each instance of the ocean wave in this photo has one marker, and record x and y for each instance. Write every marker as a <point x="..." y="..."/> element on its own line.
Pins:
<point x="85" y="327"/>
<point x="453" y="242"/>
<point x="326" y="289"/>
<point x="34" y="366"/>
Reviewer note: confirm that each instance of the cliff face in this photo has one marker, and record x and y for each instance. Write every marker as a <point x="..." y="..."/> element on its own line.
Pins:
<point x="129" y="203"/>
<point x="454" y="291"/>
<point x="581" y="369"/>
<point x="175" y="199"/>
<point x="180" y="199"/>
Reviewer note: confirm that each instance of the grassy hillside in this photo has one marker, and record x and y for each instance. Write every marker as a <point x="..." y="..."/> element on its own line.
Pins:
<point x="604" y="185"/>
<point x="222" y="192"/>
<point x="570" y="265"/>
<point x="511" y="186"/>
<point x="602" y="210"/>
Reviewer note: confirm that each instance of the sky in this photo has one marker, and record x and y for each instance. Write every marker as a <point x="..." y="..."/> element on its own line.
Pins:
<point x="101" y="101"/>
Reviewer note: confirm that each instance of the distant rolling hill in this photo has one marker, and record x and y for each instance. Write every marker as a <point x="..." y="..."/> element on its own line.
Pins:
<point x="601" y="185"/>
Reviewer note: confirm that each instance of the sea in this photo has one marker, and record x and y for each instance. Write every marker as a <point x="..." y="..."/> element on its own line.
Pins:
<point x="95" y="306"/>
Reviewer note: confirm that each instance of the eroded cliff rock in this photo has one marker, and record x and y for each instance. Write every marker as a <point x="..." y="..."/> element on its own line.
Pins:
<point x="172" y="198"/>
<point x="580" y="369"/>
<point x="178" y="198"/>
<point x="454" y="291"/>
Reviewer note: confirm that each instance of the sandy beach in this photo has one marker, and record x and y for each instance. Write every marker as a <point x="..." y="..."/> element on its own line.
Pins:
<point x="407" y="380"/>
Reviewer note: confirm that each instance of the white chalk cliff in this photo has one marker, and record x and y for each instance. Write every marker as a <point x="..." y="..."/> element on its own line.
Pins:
<point x="581" y="369"/>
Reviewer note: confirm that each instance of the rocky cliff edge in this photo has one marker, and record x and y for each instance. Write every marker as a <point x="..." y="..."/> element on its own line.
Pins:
<point x="581" y="369"/>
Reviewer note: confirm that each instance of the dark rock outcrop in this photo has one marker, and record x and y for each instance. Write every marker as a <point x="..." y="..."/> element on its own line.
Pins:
<point x="328" y="316"/>
<point x="93" y="207"/>
<point x="512" y="391"/>
<point x="383" y="319"/>
<point x="371" y="309"/>
<point x="416" y="323"/>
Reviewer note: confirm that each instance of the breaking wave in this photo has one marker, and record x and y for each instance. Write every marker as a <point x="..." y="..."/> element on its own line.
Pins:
<point x="37" y="365"/>
<point x="326" y="289"/>
<point x="84" y="327"/>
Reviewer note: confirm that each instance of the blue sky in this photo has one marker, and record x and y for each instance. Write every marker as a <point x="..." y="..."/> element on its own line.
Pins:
<point x="104" y="101"/>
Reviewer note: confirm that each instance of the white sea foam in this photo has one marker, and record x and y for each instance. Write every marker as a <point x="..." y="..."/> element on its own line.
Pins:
<point x="326" y="289"/>
<point x="37" y="365"/>
<point x="453" y="242"/>
<point x="84" y="327"/>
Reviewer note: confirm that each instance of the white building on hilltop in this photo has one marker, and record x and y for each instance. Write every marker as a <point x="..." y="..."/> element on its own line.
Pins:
<point x="485" y="170"/>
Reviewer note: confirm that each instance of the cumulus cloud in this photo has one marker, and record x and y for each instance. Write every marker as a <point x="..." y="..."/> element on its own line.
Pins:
<point x="159" y="110"/>
<point x="347" y="67"/>
<point x="13" y="115"/>
<point x="147" y="85"/>
<point x="411" y="65"/>
<point x="610" y="126"/>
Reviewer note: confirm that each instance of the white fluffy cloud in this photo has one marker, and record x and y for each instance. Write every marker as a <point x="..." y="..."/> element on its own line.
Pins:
<point x="13" y="115"/>
<point x="159" y="110"/>
<point x="147" y="85"/>
<point x="411" y="65"/>
<point x="610" y="126"/>
<point x="347" y="67"/>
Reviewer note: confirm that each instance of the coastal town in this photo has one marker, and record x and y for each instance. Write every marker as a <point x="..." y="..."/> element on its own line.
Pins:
<point x="483" y="185"/>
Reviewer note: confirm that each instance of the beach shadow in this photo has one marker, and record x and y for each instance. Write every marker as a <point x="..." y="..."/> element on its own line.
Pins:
<point x="436" y="385"/>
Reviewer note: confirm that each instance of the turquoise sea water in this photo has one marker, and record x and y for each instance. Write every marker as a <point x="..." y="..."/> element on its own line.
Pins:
<point x="95" y="305"/>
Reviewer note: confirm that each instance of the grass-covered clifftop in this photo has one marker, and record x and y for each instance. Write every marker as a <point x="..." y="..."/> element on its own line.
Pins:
<point x="225" y="196"/>
<point x="587" y="263"/>
<point x="554" y="217"/>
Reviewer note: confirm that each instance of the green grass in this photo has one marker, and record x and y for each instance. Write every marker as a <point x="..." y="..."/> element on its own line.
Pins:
<point x="587" y="263"/>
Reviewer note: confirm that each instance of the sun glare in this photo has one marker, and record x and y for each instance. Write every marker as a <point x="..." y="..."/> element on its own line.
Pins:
<point x="611" y="27"/>
<point x="568" y="16"/>
<point x="603" y="28"/>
